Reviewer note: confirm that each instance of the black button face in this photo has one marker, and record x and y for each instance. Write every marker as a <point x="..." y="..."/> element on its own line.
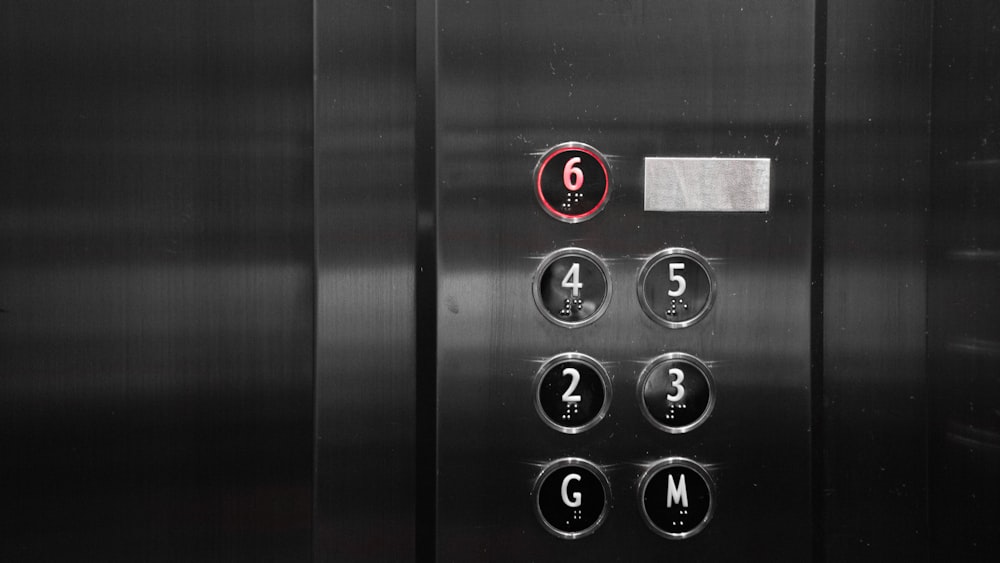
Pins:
<point x="572" y="497"/>
<point x="676" y="498"/>
<point x="572" y="392"/>
<point x="676" y="392"/>
<point x="572" y="287"/>
<point x="676" y="287"/>
<point x="572" y="182"/>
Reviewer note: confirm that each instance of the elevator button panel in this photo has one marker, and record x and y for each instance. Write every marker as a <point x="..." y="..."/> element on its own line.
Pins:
<point x="676" y="498"/>
<point x="572" y="287"/>
<point x="572" y="182"/>
<point x="572" y="497"/>
<point x="572" y="392"/>
<point x="676" y="287"/>
<point x="676" y="392"/>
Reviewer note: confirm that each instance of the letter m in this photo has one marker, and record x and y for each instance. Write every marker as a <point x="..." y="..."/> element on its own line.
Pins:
<point x="677" y="493"/>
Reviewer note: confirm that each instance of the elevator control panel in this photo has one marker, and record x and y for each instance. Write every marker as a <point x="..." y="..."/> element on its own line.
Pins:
<point x="624" y="236"/>
<point x="675" y="393"/>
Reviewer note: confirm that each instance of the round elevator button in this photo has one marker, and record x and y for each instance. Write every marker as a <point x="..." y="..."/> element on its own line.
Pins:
<point x="572" y="287"/>
<point x="676" y="392"/>
<point x="572" y="392"/>
<point x="676" y="287"/>
<point x="572" y="182"/>
<point x="676" y="498"/>
<point x="572" y="496"/>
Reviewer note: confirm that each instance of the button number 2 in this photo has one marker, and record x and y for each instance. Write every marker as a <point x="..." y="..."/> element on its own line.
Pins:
<point x="568" y="396"/>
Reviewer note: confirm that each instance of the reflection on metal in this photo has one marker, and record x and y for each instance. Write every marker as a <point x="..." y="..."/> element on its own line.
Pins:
<point x="707" y="184"/>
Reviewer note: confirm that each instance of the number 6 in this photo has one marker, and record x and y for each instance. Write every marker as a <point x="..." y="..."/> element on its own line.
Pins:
<point x="572" y="175"/>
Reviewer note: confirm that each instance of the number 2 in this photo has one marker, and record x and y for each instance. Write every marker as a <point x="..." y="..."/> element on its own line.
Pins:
<point x="572" y="279"/>
<point x="568" y="396"/>
<point x="675" y="277"/>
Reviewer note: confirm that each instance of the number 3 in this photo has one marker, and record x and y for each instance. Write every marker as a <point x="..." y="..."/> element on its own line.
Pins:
<point x="677" y="385"/>
<point x="572" y="175"/>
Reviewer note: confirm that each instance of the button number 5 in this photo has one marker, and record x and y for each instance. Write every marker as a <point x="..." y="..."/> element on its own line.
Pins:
<point x="674" y="268"/>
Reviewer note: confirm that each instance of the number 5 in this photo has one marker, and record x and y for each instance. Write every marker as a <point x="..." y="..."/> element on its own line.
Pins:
<point x="675" y="277"/>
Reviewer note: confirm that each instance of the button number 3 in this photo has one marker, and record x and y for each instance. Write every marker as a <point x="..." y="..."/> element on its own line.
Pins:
<point x="677" y="384"/>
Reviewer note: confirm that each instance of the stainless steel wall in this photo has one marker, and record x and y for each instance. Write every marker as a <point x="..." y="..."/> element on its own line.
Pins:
<point x="872" y="432"/>
<point x="366" y="327"/>
<point x="963" y="285"/>
<point x="163" y="313"/>
<point x="156" y="293"/>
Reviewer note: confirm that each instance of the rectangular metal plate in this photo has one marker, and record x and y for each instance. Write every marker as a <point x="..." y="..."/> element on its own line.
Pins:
<point x="707" y="184"/>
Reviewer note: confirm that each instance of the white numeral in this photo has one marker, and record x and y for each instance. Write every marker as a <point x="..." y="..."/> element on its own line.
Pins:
<point x="572" y="279"/>
<point x="568" y="396"/>
<point x="675" y="277"/>
<point x="677" y="384"/>
<point x="572" y="175"/>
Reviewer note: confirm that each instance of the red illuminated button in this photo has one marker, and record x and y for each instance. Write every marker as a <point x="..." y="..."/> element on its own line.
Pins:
<point x="572" y="182"/>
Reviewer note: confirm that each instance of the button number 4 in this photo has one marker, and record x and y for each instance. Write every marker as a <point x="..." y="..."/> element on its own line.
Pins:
<point x="572" y="279"/>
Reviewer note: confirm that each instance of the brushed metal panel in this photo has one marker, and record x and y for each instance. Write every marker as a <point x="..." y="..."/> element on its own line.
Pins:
<point x="155" y="281"/>
<point x="365" y="245"/>
<point x="706" y="184"/>
<point x="876" y="190"/>
<point x="705" y="79"/>
<point x="963" y="285"/>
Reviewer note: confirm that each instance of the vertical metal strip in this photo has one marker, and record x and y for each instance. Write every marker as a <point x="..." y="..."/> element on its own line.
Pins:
<point x="366" y="327"/>
<point x="425" y="181"/>
<point x="816" y="309"/>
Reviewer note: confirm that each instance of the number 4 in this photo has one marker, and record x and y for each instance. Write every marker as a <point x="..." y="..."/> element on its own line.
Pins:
<point x="572" y="279"/>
